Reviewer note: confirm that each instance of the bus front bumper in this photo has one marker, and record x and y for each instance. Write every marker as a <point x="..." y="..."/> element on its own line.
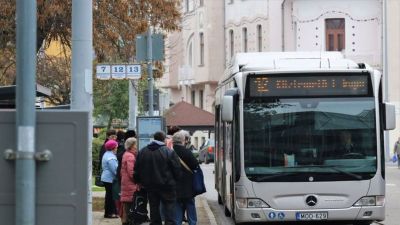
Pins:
<point x="372" y="213"/>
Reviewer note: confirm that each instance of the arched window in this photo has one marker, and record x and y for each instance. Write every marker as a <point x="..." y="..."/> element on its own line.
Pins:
<point x="190" y="55"/>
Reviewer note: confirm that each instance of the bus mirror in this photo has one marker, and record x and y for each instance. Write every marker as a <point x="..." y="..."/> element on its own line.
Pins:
<point x="227" y="108"/>
<point x="390" y="116"/>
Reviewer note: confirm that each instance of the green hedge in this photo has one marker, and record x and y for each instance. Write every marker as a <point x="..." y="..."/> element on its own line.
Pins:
<point x="96" y="146"/>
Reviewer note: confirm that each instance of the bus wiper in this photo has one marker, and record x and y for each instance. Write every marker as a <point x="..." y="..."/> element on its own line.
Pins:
<point x="270" y="177"/>
<point x="358" y="177"/>
<point x="350" y="174"/>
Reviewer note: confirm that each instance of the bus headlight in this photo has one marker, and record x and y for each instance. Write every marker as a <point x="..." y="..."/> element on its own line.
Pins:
<point x="251" y="203"/>
<point x="371" y="201"/>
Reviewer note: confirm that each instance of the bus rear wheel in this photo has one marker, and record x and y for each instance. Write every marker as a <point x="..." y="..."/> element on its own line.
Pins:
<point x="227" y="213"/>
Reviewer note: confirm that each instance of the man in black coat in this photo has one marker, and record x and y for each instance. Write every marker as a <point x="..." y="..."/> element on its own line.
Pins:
<point x="185" y="196"/>
<point x="157" y="169"/>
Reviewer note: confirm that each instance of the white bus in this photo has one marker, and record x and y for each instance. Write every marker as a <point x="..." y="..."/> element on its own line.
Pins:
<point x="300" y="137"/>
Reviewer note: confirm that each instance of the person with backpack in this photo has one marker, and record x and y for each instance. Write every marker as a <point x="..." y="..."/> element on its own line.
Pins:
<point x="157" y="169"/>
<point x="184" y="187"/>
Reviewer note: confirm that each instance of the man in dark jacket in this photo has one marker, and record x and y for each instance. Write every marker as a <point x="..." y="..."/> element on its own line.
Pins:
<point x="157" y="169"/>
<point x="184" y="188"/>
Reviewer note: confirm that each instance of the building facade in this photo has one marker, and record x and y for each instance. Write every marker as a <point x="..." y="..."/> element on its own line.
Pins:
<point x="355" y="28"/>
<point x="194" y="55"/>
<point x="306" y="25"/>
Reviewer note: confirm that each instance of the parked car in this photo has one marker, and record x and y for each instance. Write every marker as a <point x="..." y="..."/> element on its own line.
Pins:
<point x="206" y="151"/>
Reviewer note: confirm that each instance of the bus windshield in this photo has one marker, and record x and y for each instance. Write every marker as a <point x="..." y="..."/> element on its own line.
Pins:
<point x="309" y="139"/>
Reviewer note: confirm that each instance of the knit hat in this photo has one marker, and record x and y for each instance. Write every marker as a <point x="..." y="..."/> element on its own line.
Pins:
<point x="111" y="144"/>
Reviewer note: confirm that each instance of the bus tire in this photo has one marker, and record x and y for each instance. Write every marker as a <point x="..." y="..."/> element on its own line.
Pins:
<point x="362" y="223"/>
<point x="227" y="213"/>
<point x="219" y="199"/>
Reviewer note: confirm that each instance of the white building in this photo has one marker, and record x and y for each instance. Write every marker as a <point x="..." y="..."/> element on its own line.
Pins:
<point x="306" y="25"/>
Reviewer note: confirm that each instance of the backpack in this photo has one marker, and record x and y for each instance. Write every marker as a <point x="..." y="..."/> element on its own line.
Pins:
<point x="137" y="213"/>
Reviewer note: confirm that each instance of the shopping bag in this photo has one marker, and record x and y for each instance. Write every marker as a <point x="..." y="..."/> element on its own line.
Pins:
<point x="198" y="182"/>
<point x="395" y="158"/>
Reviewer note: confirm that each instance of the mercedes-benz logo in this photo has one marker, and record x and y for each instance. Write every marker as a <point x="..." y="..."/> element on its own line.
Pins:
<point x="311" y="200"/>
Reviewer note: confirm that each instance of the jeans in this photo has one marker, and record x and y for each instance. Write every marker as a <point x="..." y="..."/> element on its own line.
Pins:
<point x="168" y="199"/>
<point x="190" y="207"/>
<point x="109" y="204"/>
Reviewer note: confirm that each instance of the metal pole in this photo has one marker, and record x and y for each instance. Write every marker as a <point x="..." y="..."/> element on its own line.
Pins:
<point x="150" y="69"/>
<point x="25" y="167"/>
<point x="132" y="104"/>
<point x="385" y="73"/>
<point x="81" y="87"/>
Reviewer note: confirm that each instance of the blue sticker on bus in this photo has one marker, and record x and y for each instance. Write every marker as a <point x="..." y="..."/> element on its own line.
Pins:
<point x="271" y="215"/>
<point x="281" y="215"/>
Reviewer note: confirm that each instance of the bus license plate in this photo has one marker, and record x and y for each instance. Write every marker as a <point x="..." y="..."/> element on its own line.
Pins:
<point x="311" y="215"/>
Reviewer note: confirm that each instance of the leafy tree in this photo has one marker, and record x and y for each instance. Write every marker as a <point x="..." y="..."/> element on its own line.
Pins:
<point x="115" y="26"/>
<point x="111" y="99"/>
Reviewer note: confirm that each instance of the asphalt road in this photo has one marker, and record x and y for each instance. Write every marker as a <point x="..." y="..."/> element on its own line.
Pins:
<point x="392" y="196"/>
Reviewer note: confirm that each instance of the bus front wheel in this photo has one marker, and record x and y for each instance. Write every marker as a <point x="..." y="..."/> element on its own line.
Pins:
<point x="219" y="199"/>
<point x="362" y="223"/>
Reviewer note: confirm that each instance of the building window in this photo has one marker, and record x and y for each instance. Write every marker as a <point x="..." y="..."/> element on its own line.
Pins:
<point x="189" y="5"/>
<point x="244" y="39"/>
<point x="201" y="94"/>
<point x="201" y="49"/>
<point x="335" y="34"/>
<point x="201" y="2"/>
<point x="259" y="38"/>
<point x="190" y="55"/>
<point x="231" y="43"/>
<point x="193" y="97"/>
<point x="230" y="1"/>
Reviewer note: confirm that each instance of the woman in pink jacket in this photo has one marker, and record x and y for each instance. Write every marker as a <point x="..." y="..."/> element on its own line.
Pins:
<point x="128" y="186"/>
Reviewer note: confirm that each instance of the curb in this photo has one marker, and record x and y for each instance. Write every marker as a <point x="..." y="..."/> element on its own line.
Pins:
<point x="210" y="214"/>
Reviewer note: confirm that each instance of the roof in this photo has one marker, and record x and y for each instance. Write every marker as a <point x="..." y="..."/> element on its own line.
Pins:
<point x="293" y="61"/>
<point x="184" y="114"/>
<point x="8" y="93"/>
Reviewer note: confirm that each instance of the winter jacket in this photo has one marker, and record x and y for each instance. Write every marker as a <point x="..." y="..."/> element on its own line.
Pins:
<point x="109" y="166"/>
<point x="128" y="186"/>
<point x="184" y="188"/>
<point x="157" y="167"/>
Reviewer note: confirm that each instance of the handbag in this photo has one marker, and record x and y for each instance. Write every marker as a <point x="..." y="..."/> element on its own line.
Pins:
<point x="198" y="179"/>
<point x="394" y="158"/>
<point x="98" y="181"/>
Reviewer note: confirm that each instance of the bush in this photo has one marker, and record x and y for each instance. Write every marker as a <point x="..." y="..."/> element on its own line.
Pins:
<point x="96" y="146"/>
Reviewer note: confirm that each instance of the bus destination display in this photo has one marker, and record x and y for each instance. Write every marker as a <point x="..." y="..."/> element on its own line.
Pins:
<point x="327" y="85"/>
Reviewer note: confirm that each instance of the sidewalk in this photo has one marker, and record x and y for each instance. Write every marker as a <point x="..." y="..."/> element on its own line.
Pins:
<point x="204" y="214"/>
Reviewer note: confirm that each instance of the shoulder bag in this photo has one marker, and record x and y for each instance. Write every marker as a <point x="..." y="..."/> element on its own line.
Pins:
<point x="198" y="179"/>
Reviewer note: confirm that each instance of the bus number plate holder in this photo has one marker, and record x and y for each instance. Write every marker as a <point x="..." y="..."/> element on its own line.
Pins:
<point x="311" y="216"/>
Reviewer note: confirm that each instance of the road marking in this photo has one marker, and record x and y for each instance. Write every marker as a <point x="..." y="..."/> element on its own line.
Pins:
<point x="392" y="167"/>
<point x="391" y="185"/>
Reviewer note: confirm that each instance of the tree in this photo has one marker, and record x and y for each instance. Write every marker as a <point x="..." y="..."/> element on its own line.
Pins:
<point x="55" y="72"/>
<point x="115" y="26"/>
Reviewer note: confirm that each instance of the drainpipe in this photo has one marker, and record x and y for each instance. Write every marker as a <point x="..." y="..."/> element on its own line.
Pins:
<point x="25" y="165"/>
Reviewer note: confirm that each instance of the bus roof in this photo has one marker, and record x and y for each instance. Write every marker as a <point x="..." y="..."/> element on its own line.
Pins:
<point x="288" y="61"/>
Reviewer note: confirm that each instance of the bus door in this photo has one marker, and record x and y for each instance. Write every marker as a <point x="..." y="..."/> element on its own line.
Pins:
<point x="232" y="158"/>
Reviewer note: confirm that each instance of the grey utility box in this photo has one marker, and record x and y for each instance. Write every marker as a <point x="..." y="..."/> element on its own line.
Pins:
<point x="62" y="182"/>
